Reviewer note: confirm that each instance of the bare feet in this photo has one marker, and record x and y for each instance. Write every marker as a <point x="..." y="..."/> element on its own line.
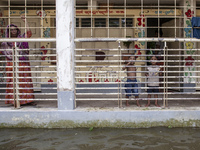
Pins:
<point x="127" y="104"/>
<point x="147" y="105"/>
<point x="156" y="104"/>
<point x="138" y="104"/>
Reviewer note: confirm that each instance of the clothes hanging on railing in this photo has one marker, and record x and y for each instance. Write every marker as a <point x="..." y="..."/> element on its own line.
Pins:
<point x="196" y="27"/>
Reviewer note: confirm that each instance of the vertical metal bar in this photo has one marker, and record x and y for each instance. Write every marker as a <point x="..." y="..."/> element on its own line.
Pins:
<point x="75" y="104"/>
<point x="166" y="75"/>
<point x="91" y="19"/>
<point x="42" y="23"/>
<point x="120" y="82"/>
<point x="179" y="52"/>
<point x="14" y="61"/>
<point x="164" y="80"/>
<point x="158" y="18"/>
<point x="124" y="18"/>
<point x="108" y="18"/>
<point x="13" y="74"/>
<point x="119" y="68"/>
<point x="25" y="17"/>
<point x="9" y="17"/>
<point x="142" y="4"/>
<point x="16" y="77"/>
<point x="175" y="17"/>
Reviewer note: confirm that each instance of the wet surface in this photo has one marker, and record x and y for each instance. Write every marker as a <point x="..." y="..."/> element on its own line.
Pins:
<point x="159" y="138"/>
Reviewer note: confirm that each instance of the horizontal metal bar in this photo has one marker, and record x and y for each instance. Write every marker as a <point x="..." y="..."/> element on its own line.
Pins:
<point x="145" y="93"/>
<point x="47" y="77"/>
<point x="113" y="99"/>
<point x="140" y="99"/>
<point x="142" y="66"/>
<point x="40" y="83"/>
<point x="123" y="82"/>
<point x="29" y="71"/>
<point x="29" y="49"/>
<point x="136" y="39"/>
<point x="34" y="88"/>
<point x="52" y="66"/>
<point x="39" y="94"/>
<point x="181" y="98"/>
<point x="117" y="61"/>
<point x="115" y="55"/>
<point x="131" y="71"/>
<point x="38" y="61"/>
<point x="33" y="77"/>
<point x="133" y="49"/>
<point x="138" y="77"/>
<point x="28" y="40"/>
<point x="35" y="99"/>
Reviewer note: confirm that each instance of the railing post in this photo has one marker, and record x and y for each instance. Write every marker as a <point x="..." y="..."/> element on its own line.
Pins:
<point x="65" y="13"/>
<point x="15" y="77"/>
<point x="164" y="77"/>
<point x="119" y="76"/>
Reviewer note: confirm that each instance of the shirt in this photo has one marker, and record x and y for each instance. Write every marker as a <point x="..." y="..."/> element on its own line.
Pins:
<point x="153" y="77"/>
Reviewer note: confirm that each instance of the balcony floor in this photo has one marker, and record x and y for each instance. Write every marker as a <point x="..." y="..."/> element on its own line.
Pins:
<point x="172" y="104"/>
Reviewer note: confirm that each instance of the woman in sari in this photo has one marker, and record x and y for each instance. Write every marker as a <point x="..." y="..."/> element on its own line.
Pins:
<point x="26" y="88"/>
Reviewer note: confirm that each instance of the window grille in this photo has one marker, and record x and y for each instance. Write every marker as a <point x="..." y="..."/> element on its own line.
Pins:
<point x="41" y="53"/>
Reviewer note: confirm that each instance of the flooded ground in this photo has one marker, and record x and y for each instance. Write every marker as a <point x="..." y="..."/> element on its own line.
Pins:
<point x="158" y="138"/>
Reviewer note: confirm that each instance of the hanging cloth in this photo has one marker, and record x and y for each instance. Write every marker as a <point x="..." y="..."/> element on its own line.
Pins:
<point x="196" y="23"/>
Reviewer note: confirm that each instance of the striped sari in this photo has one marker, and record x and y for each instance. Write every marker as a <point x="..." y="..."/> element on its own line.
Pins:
<point x="27" y="88"/>
<point x="26" y="91"/>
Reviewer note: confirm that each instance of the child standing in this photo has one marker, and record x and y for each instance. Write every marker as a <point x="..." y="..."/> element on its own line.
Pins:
<point x="131" y="77"/>
<point x="153" y="80"/>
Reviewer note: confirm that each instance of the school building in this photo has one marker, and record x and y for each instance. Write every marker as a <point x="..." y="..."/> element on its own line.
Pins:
<point x="78" y="49"/>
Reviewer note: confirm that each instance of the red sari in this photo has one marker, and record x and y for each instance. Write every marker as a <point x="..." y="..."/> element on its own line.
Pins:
<point x="27" y="93"/>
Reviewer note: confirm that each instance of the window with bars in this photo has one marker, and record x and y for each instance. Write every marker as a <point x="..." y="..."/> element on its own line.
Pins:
<point x="85" y="22"/>
<point x="100" y="22"/>
<point x="28" y="66"/>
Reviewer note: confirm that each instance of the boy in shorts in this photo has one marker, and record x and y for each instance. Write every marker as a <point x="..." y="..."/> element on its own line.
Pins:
<point x="131" y="77"/>
<point x="153" y="80"/>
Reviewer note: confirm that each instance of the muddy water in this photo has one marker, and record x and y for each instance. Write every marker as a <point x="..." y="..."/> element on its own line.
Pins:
<point x="100" y="139"/>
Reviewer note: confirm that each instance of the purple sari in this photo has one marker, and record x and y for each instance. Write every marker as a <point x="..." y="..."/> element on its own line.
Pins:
<point x="20" y="45"/>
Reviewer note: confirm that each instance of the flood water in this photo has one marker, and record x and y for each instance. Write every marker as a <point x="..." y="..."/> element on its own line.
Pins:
<point x="158" y="138"/>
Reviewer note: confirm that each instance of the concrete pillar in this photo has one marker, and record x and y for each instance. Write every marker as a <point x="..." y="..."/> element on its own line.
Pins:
<point x="65" y="14"/>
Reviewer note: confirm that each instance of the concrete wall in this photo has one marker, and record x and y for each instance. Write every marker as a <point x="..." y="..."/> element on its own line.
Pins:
<point x="119" y="118"/>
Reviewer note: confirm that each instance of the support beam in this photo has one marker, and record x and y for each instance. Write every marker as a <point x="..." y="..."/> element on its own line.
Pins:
<point x="65" y="13"/>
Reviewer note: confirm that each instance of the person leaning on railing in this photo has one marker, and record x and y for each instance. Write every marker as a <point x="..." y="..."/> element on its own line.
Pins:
<point x="26" y="92"/>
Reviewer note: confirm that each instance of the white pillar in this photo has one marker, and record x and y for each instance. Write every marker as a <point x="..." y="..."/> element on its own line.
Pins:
<point x="65" y="14"/>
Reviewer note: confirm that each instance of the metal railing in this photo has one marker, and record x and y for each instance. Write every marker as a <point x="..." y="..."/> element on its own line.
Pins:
<point x="99" y="75"/>
<point x="37" y="73"/>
